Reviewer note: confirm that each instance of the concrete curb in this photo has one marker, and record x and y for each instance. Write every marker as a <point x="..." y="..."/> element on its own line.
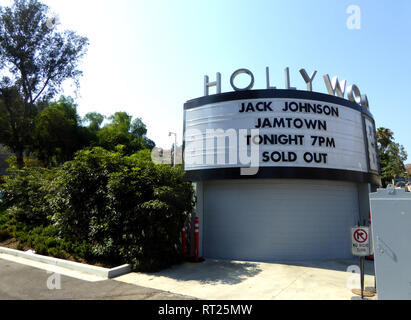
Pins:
<point x="76" y="266"/>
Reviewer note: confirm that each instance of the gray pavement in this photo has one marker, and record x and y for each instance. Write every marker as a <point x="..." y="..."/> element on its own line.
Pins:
<point x="246" y="280"/>
<point x="211" y="280"/>
<point x="22" y="282"/>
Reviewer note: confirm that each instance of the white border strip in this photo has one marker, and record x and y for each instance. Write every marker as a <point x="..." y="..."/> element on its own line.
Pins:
<point x="98" y="271"/>
<point x="393" y="199"/>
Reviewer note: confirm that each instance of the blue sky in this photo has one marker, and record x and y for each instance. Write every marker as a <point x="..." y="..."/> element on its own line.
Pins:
<point x="149" y="57"/>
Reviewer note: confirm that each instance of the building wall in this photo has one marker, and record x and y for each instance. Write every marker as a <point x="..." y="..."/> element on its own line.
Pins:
<point x="273" y="220"/>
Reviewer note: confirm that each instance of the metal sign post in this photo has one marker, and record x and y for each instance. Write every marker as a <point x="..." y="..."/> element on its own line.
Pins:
<point x="361" y="247"/>
<point x="362" y="276"/>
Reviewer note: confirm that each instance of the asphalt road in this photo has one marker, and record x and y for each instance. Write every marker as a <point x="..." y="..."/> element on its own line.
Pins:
<point x="21" y="282"/>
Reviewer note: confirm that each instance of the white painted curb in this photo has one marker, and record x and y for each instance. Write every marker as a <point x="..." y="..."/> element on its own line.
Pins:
<point x="98" y="271"/>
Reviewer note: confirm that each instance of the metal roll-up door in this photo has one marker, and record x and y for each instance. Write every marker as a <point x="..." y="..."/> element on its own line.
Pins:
<point x="272" y="220"/>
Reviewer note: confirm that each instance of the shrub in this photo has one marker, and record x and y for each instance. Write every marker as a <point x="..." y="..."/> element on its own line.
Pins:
<point x="4" y="235"/>
<point x="26" y="193"/>
<point x="129" y="209"/>
<point x="102" y="205"/>
<point x="57" y="253"/>
<point x="4" y="219"/>
<point x="28" y="163"/>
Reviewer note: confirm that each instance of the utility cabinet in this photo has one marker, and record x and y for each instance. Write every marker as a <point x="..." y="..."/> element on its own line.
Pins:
<point x="391" y="230"/>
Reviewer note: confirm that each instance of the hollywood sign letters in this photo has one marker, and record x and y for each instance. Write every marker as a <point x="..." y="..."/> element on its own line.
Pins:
<point x="334" y="87"/>
<point x="280" y="128"/>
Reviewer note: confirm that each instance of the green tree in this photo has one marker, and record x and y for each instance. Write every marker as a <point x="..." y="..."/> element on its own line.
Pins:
<point x="91" y="125"/>
<point x="16" y="121"/>
<point x="37" y="59"/>
<point x="94" y="121"/>
<point x="68" y="107"/>
<point x="58" y="133"/>
<point x="392" y="156"/>
<point x="139" y="131"/>
<point x="121" y="130"/>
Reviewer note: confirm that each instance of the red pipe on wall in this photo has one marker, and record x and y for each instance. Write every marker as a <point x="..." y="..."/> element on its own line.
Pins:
<point x="371" y="257"/>
<point x="197" y="240"/>
<point x="184" y="240"/>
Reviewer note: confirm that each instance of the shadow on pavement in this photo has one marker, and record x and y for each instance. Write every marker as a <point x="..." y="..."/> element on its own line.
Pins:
<point x="213" y="272"/>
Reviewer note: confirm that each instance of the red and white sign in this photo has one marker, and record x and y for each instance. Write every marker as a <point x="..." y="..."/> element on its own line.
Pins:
<point x="360" y="235"/>
<point x="360" y="239"/>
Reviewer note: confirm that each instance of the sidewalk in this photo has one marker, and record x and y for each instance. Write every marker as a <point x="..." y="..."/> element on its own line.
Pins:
<point x="23" y="282"/>
<point x="232" y="280"/>
<point x="210" y="280"/>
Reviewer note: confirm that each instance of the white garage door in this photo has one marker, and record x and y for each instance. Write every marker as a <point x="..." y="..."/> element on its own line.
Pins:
<point x="272" y="220"/>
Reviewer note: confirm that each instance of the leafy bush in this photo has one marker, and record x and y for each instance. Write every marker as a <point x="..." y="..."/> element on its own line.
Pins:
<point x="113" y="208"/>
<point x="129" y="209"/>
<point x="28" y="162"/>
<point x="25" y="193"/>
<point x="45" y="241"/>
<point x="4" y="235"/>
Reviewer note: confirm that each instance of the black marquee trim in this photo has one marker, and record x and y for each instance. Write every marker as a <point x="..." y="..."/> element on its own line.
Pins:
<point x="284" y="173"/>
<point x="280" y="172"/>
<point x="274" y="93"/>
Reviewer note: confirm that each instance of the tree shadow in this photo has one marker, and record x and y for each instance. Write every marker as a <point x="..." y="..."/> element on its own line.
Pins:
<point x="212" y="272"/>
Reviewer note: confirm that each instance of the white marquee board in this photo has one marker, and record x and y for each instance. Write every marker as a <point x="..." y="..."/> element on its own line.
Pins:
<point x="332" y="133"/>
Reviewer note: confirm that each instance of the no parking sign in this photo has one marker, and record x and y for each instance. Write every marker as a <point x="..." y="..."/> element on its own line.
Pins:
<point x="361" y="241"/>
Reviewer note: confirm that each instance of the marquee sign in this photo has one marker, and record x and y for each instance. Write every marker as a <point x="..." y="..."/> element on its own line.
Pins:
<point x="279" y="134"/>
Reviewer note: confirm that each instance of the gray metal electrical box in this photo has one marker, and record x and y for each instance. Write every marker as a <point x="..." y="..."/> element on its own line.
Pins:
<point x="391" y="231"/>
